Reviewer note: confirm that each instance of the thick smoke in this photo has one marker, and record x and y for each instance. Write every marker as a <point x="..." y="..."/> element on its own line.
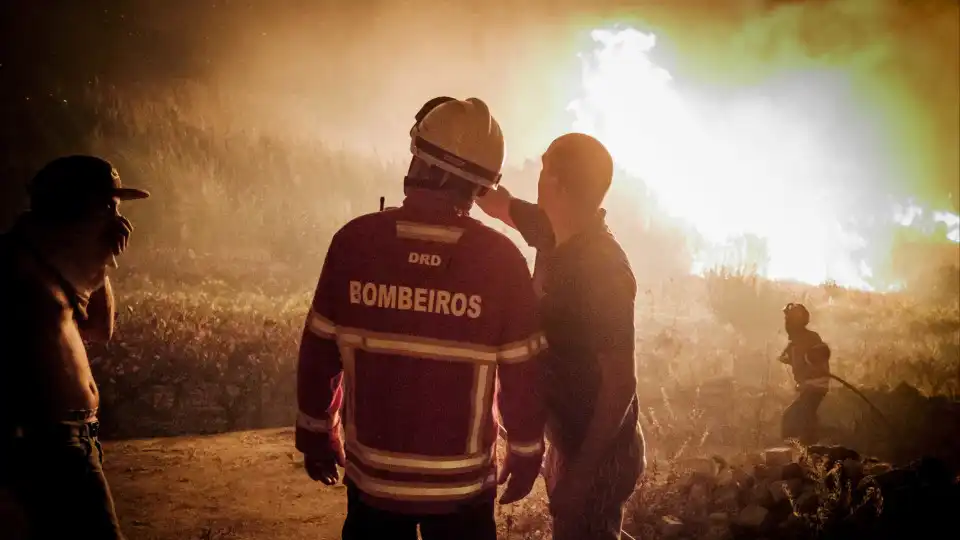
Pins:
<point x="329" y="74"/>
<point x="354" y="74"/>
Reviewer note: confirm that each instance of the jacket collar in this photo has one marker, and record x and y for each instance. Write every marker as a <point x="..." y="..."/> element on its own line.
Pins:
<point x="428" y="200"/>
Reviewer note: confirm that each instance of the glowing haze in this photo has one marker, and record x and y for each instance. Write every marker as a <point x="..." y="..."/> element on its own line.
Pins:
<point x="820" y="136"/>
<point x="773" y="163"/>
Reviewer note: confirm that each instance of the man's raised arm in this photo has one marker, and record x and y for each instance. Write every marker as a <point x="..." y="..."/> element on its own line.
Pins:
<point x="496" y="204"/>
<point x="525" y="217"/>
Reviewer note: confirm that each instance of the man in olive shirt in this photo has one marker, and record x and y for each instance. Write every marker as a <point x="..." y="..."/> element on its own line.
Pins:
<point x="54" y="293"/>
<point x="588" y="294"/>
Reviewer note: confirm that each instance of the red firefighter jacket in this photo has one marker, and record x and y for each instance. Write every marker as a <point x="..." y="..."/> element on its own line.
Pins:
<point x="809" y="357"/>
<point x="420" y="317"/>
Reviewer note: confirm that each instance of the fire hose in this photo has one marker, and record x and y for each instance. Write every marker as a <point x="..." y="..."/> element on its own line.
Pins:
<point x="873" y="407"/>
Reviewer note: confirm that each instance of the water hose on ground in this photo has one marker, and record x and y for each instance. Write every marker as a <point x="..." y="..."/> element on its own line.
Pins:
<point x="856" y="391"/>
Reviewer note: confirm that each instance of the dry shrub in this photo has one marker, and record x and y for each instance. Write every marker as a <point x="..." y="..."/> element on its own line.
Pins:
<point x="745" y="301"/>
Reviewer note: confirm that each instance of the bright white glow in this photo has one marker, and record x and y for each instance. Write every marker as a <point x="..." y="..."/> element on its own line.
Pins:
<point x="952" y="221"/>
<point x="763" y="166"/>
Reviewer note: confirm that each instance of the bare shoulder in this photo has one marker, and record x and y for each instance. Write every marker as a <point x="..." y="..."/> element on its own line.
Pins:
<point x="36" y="302"/>
<point x="35" y="317"/>
<point x="25" y="292"/>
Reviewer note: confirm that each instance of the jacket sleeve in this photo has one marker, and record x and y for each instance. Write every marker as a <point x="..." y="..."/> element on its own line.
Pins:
<point x="532" y="224"/>
<point x="319" y="369"/>
<point x="520" y="359"/>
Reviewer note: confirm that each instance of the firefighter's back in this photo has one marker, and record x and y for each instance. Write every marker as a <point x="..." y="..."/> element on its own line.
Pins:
<point x="423" y="320"/>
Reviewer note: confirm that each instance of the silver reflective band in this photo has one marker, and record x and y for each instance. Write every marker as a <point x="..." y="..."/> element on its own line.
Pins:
<point x="407" y="345"/>
<point x="417" y="490"/>
<point x="527" y="450"/>
<point x="522" y="350"/>
<point x="321" y="326"/>
<point x="309" y="423"/>
<point x="434" y="233"/>
<point x="479" y="180"/>
<point x="417" y="463"/>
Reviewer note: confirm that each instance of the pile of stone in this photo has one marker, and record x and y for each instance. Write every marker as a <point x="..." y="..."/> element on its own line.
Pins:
<point x="814" y="492"/>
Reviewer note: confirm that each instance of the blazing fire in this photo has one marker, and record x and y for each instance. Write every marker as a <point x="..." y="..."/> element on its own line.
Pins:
<point x="779" y="163"/>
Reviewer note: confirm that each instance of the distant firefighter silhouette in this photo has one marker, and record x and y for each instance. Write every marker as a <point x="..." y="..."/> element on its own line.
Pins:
<point x="54" y="293"/>
<point x="809" y="358"/>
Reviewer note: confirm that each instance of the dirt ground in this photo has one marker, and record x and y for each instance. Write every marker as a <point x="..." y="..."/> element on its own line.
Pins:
<point x="246" y="485"/>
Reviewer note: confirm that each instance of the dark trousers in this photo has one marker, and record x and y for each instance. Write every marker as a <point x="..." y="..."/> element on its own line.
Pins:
<point x="800" y="417"/>
<point x="473" y="522"/>
<point x="611" y="485"/>
<point x="55" y="476"/>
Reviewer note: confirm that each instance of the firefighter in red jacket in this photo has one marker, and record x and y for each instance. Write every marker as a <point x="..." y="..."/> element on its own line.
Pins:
<point x="423" y="318"/>
<point x="809" y="358"/>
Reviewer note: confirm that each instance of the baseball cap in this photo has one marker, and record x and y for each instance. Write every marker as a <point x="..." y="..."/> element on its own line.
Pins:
<point x="71" y="181"/>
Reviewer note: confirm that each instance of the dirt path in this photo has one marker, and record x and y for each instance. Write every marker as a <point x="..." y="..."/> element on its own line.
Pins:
<point x="247" y="485"/>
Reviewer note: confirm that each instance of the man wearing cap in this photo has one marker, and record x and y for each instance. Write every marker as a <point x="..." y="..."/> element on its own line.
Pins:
<point x="587" y="292"/>
<point x="54" y="293"/>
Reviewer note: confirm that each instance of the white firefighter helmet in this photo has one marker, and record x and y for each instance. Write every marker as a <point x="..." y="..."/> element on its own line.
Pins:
<point x="461" y="138"/>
